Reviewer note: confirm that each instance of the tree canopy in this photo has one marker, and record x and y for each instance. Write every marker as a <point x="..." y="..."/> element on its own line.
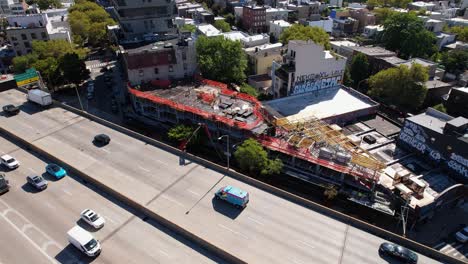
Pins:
<point x="381" y="14"/>
<point x="402" y="86"/>
<point x="246" y="88"/>
<point x="46" y="57"/>
<point x="300" y="32"/>
<point x="405" y="33"/>
<point x="46" y="4"/>
<point x="388" y="3"/>
<point x="88" y="22"/>
<point x="359" y="69"/>
<point x="455" y="61"/>
<point x="73" y="68"/>
<point x="221" y="59"/>
<point x="461" y="32"/>
<point x="252" y="158"/>
<point x="222" y="25"/>
<point x="180" y="132"/>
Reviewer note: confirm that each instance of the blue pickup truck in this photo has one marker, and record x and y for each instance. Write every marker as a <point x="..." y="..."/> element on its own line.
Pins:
<point x="233" y="195"/>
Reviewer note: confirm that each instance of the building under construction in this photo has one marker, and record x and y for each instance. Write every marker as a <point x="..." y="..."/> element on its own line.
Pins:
<point x="310" y="148"/>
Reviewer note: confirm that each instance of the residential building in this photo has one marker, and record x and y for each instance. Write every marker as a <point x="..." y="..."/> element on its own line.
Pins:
<point x="457" y="102"/>
<point x="159" y="62"/>
<point x="277" y="27"/>
<point x="372" y="31"/>
<point x="363" y="16"/>
<point x="434" y="25"/>
<point x="246" y="39"/>
<point x="308" y="10"/>
<point x="444" y="39"/>
<point x="7" y="53"/>
<point x="337" y="3"/>
<point x="439" y="138"/>
<point x="420" y="5"/>
<point x="306" y="67"/>
<point x="324" y="23"/>
<point x="261" y="57"/>
<point x="344" y="27"/>
<point x="13" y="7"/>
<point x="457" y="21"/>
<point x="275" y="14"/>
<point x="138" y="18"/>
<point x="208" y="30"/>
<point x="254" y="18"/>
<point x="374" y="55"/>
<point x="23" y="29"/>
<point x="343" y="47"/>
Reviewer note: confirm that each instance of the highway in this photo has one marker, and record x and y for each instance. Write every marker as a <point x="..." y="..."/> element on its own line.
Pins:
<point x="34" y="224"/>
<point x="269" y="230"/>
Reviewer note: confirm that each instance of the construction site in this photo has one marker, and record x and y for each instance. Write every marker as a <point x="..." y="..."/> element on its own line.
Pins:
<point x="312" y="149"/>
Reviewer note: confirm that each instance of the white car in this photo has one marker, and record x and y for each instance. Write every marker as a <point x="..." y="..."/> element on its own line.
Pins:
<point x="92" y="218"/>
<point x="462" y="235"/>
<point x="9" y="162"/>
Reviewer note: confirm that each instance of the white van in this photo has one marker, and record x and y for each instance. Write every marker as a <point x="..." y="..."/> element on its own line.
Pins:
<point x="84" y="241"/>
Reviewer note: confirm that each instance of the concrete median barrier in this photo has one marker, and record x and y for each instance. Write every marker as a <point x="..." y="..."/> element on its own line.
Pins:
<point x="258" y="184"/>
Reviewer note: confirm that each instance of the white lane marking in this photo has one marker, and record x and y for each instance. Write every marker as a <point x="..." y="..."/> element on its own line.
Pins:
<point x="305" y="243"/>
<point x="233" y="231"/>
<point x="143" y="169"/>
<point x="30" y="241"/>
<point x="67" y="192"/>
<point x="47" y="244"/>
<point x="172" y="200"/>
<point x="453" y="249"/>
<point x="108" y="219"/>
<point x="164" y="253"/>
<point x="446" y="247"/>
<point x="254" y="220"/>
<point x="197" y="194"/>
<point x="32" y="170"/>
<point x="26" y="227"/>
<point x="6" y="211"/>
<point x="105" y="150"/>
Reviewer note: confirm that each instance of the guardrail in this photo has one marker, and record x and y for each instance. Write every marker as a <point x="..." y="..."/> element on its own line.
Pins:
<point x="241" y="177"/>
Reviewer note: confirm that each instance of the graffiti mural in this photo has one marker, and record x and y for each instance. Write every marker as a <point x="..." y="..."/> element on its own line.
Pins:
<point x="313" y="82"/>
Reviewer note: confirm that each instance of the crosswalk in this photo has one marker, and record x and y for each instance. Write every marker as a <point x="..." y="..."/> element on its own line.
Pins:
<point x="454" y="249"/>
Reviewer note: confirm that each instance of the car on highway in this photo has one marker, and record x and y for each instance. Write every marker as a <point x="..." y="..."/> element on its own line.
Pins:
<point x="56" y="171"/>
<point x="101" y="139"/>
<point x="9" y="162"/>
<point x="10" y="109"/>
<point x="233" y="195"/>
<point x="4" y="184"/>
<point x="399" y="252"/>
<point x="37" y="182"/>
<point x="92" y="218"/>
<point x="462" y="235"/>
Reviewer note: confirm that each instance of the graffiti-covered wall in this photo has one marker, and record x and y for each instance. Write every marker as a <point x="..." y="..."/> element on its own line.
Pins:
<point x="316" y="81"/>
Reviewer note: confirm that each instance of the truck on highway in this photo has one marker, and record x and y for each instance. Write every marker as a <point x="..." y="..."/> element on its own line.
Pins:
<point x="4" y="184"/>
<point x="233" y="195"/>
<point x="39" y="97"/>
<point x="84" y="241"/>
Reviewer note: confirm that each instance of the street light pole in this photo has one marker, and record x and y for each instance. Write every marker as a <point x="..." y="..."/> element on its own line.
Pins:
<point x="228" y="154"/>
<point x="79" y="98"/>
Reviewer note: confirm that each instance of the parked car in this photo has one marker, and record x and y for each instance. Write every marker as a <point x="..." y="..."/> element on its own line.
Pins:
<point x="462" y="235"/>
<point x="398" y="252"/>
<point x="37" y="181"/>
<point x="9" y="162"/>
<point x="10" y="109"/>
<point x="56" y="171"/>
<point x="4" y="184"/>
<point x="92" y="218"/>
<point x="102" y="139"/>
<point x="233" y="195"/>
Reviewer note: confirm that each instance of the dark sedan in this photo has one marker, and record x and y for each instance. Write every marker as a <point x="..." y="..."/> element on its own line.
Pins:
<point x="398" y="252"/>
<point x="11" y="109"/>
<point x="102" y="139"/>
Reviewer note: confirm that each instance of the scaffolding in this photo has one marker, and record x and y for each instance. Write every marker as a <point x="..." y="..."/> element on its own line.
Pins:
<point x="311" y="139"/>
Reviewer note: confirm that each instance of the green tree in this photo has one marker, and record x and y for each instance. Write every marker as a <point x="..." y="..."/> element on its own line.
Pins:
<point x="230" y="18"/>
<point x="300" y="32"/>
<point x="245" y="88"/>
<point x="252" y="158"/>
<point x="440" y="107"/>
<point x="222" y="25"/>
<point x="461" y="32"/>
<point x="388" y="3"/>
<point x="188" y="27"/>
<point x="221" y="59"/>
<point x="21" y="63"/>
<point x="46" y="4"/>
<point x="73" y="68"/>
<point x="88" y="22"/>
<point x="347" y="80"/>
<point x="455" y="61"/>
<point x="359" y="69"/>
<point x="381" y="14"/>
<point x="330" y="192"/>
<point x="180" y="133"/>
<point x="406" y="34"/>
<point x="401" y="86"/>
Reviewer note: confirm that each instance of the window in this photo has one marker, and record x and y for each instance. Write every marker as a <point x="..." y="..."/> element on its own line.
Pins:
<point x="171" y="69"/>
<point x="27" y="45"/>
<point x="33" y="36"/>
<point x="156" y="71"/>
<point x="23" y="36"/>
<point x="14" y="39"/>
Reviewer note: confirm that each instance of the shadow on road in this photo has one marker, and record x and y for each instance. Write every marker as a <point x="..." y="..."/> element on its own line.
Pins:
<point x="31" y="108"/>
<point x="390" y="260"/>
<point x="29" y="188"/>
<point x="225" y="208"/>
<point x="70" y="254"/>
<point x="86" y="226"/>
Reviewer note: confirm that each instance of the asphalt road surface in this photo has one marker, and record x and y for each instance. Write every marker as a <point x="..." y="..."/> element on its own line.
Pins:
<point x="33" y="224"/>
<point x="269" y="230"/>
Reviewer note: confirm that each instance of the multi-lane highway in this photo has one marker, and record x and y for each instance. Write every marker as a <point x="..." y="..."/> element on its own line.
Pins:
<point x="269" y="230"/>
<point x="33" y="224"/>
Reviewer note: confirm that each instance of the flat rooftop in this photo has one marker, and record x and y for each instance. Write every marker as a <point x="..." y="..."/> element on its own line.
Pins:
<point x="431" y="119"/>
<point x="322" y="104"/>
<point x="374" y="51"/>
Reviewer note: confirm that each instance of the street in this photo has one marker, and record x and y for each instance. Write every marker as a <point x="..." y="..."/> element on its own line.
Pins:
<point x="34" y="224"/>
